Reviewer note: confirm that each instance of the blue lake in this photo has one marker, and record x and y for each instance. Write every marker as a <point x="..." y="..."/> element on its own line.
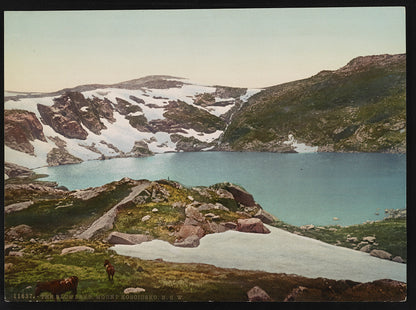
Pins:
<point x="299" y="189"/>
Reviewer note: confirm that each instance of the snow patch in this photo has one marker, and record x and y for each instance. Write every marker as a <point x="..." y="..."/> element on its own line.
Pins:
<point x="300" y="147"/>
<point x="277" y="252"/>
<point x="23" y="159"/>
<point x="250" y="92"/>
<point x="201" y="136"/>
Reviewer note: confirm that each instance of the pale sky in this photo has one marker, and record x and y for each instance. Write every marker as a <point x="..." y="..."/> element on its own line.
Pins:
<point x="50" y="50"/>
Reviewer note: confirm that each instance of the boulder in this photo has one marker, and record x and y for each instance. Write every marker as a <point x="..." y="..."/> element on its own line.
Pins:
<point x="189" y="242"/>
<point x="307" y="227"/>
<point x="258" y="294"/>
<point x="252" y="225"/>
<point x="216" y="227"/>
<point x="19" y="231"/>
<point x="145" y="218"/>
<point x="369" y="239"/>
<point x="241" y="196"/>
<point x="134" y="290"/>
<point x="352" y="239"/>
<point x="381" y="254"/>
<point x="122" y="238"/>
<point x="189" y="230"/>
<point x="17" y="206"/>
<point x="76" y="249"/>
<point x="366" y="248"/>
<point x="265" y="217"/>
<point x="89" y="193"/>
<point x="398" y="259"/>
<point x="210" y="206"/>
<point x="193" y="213"/>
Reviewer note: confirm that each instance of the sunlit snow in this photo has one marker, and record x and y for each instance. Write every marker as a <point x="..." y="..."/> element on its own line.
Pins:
<point x="278" y="251"/>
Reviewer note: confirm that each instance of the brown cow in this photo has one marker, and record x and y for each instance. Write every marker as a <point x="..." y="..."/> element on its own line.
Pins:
<point x="110" y="269"/>
<point x="58" y="287"/>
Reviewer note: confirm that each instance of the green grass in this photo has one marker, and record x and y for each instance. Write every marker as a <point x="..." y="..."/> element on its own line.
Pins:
<point x="328" y="110"/>
<point x="48" y="217"/>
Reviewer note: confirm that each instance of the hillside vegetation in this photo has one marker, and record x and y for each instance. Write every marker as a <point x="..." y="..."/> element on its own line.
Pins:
<point x="358" y="108"/>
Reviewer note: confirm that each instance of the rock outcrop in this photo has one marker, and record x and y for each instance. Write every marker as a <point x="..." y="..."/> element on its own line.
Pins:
<point x="72" y="110"/>
<point x="265" y="217"/>
<point x="381" y="254"/>
<point x="18" y="232"/>
<point x="20" y="128"/>
<point x="17" y="206"/>
<point x="241" y="196"/>
<point x="123" y="238"/>
<point x="77" y="249"/>
<point x="258" y="294"/>
<point x="60" y="156"/>
<point x="252" y="225"/>
<point x="106" y="221"/>
<point x="13" y="171"/>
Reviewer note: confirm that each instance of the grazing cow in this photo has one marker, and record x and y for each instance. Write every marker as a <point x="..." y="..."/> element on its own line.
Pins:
<point x="58" y="287"/>
<point x="110" y="269"/>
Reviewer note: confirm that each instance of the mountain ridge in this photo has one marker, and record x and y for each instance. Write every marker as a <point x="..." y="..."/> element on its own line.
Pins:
<point x="359" y="107"/>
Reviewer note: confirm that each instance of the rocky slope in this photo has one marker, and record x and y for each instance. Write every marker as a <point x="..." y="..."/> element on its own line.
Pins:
<point x="360" y="107"/>
<point x="155" y="114"/>
<point x="53" y="233"/>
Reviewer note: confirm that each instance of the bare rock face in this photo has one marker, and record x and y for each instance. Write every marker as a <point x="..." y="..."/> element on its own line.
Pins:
<point x="60" y="156"/>
<point x="141" y="149"/>
<point x="265" y="217"/>
<point x="62" y="122"/>
<point x="13" y="170"/>
<point x="252" y="225"/>
<point x="258" y="294"/>
<point x="72" y="110"/>
<point x="122" y="238"/>
<point x="21" y="127"/>
<point x="241" y="196"/>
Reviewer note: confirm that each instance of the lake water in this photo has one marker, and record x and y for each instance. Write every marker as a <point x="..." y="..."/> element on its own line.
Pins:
<point x="310" y="188"/>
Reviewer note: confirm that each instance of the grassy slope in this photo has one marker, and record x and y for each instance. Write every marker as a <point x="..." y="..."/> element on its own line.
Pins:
<point x="328" y="109"/>
<point x="162" y="281"/>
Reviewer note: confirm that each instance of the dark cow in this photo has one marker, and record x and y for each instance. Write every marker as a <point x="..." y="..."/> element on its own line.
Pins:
<point x="58" y="287"/>
<point x="110" y="269"/>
